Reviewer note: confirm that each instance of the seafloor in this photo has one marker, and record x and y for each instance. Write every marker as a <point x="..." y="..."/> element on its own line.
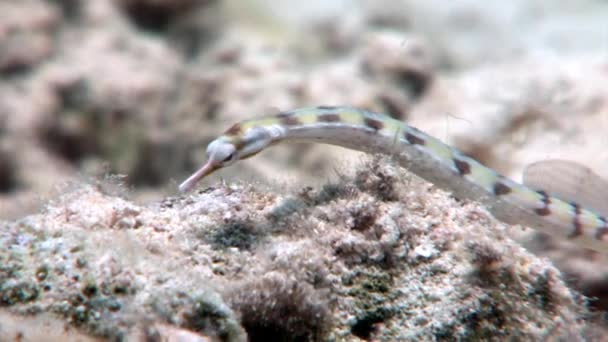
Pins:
<point x="106" y="105"/>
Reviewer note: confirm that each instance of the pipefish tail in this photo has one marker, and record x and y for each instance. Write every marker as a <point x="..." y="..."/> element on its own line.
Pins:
<point x="422" y="154"/>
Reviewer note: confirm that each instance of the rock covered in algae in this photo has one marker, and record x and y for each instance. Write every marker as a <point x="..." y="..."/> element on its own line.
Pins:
<point x="378" y="255"/>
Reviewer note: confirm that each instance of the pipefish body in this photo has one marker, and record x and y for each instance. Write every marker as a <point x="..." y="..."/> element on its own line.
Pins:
<point x="422" y="154"/>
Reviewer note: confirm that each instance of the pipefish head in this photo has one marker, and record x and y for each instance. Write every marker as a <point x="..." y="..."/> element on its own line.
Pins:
<point x="236" y="144"/>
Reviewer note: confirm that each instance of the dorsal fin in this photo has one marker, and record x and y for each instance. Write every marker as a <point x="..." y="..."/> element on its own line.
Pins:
<point x="569" y="181"/>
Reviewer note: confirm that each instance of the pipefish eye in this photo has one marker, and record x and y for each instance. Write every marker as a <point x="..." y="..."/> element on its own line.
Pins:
<point x="229" y="157"/>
